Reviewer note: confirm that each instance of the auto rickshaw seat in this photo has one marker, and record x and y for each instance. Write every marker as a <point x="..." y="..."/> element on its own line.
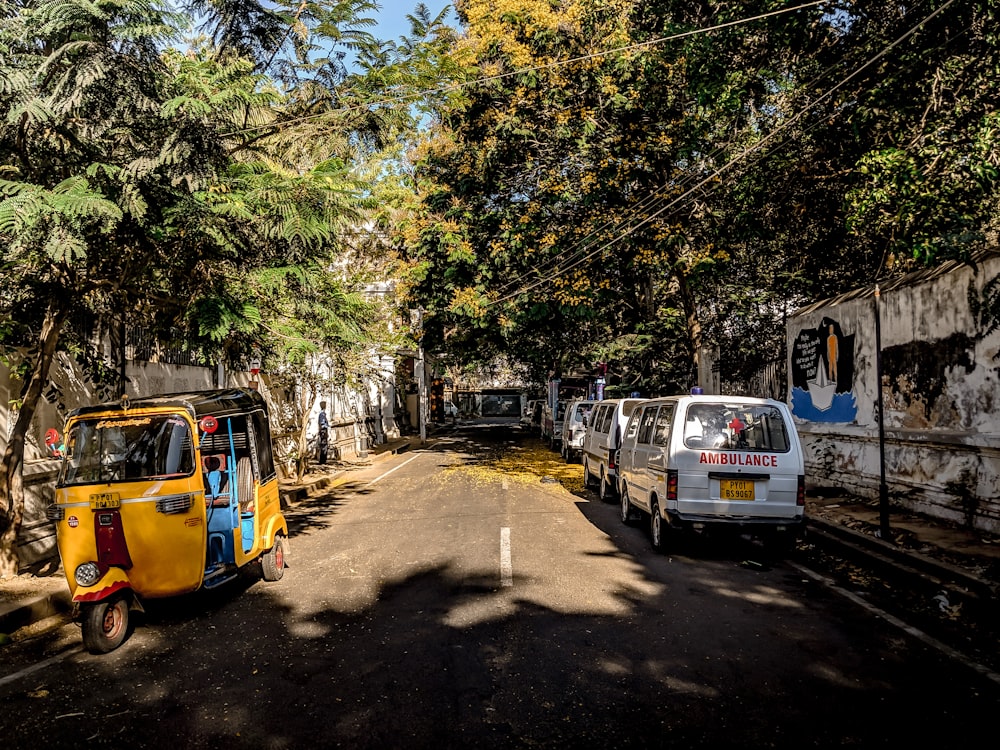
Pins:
<point x="216" y="480"/>
<point x="245" y="485"/>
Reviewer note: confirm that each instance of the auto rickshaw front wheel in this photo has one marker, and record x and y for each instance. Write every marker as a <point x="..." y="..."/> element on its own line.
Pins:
<point x="273" y="562"/>
<point x="105" y="624"/>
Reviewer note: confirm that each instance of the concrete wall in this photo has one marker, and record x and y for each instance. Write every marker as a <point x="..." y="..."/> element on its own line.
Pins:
<point x="940" y="387"/>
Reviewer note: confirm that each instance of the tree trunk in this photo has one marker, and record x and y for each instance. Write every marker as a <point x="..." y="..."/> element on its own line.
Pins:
<point x="307" y="400"/>
<point x="11" y="468"/>
<point x="690" y="307"/>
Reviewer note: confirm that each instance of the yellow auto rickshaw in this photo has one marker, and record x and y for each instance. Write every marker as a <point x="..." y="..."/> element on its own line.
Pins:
<point x="162" y="496"/>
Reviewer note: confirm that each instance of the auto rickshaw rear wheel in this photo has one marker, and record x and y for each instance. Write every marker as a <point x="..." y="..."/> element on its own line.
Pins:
<point x="273" y="562"/>
<point x="105" y="624"/>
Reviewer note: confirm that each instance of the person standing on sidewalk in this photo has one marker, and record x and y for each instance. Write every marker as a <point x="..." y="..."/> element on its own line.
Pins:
<point x="324" y="433"/>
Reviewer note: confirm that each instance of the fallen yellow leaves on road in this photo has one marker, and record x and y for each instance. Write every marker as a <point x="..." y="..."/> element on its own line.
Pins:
<point x="528" y="464"/>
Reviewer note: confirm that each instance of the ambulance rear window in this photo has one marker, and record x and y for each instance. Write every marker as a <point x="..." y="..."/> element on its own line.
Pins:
<point x="743" y="427"/>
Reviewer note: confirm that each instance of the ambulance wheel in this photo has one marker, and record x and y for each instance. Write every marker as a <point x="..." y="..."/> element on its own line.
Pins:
<point x="105" y="624"/>
<point x="273" y="562"/>
<point x="626" y="512"/>
<point x="657" y="529"/>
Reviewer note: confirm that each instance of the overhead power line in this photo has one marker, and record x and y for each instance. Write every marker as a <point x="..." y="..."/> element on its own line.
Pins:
<point x="753" y="150"/>
<point x="414" y="95"/>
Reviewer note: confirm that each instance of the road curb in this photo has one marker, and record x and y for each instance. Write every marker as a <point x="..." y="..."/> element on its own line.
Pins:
<point x="909" y="562"/>
<point x="21" y="615"/>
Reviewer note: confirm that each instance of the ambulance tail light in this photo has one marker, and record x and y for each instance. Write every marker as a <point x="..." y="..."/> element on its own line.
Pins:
<point x="672" y="485"/>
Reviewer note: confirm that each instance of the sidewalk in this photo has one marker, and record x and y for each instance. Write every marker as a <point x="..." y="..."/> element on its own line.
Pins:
<point x="321" y="477"/>
<point x="933" y="547"/>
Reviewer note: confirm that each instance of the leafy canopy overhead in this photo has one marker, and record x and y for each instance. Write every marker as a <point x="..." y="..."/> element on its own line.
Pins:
<point x="643" y="181"/>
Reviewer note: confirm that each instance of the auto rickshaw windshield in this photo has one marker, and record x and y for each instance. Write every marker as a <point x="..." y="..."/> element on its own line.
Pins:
<point x="120" y="449"/>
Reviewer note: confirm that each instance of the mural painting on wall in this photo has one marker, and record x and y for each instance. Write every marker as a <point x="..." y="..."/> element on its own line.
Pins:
<point x="823" y="374"/>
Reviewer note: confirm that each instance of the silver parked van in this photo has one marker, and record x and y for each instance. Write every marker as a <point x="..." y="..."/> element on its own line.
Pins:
<point x="574" y="428"/>
<point x="713" y="462"/>
<point x="601" y="442"/>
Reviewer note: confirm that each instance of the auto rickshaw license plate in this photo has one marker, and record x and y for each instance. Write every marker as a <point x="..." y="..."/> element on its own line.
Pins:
<point x="105" y="500"/>
<point x="736" y="489"/>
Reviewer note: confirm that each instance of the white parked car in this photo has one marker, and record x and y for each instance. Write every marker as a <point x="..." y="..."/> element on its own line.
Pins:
<point x="575" y="427"/>
<point x="601" y="442"/>
<point x="450" y="410"/>
<point x="713" y="463"/>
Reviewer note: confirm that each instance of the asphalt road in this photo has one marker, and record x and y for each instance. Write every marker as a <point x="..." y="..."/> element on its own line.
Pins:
<point x="457" y="596"/>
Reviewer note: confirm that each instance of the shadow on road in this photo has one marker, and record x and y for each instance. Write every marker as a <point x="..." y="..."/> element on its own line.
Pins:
<point x="659" y="653"/>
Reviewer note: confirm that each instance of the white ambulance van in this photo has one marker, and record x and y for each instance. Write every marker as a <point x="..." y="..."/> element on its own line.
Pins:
<point x="601" y="442"/>
<point x="709" y="463"/>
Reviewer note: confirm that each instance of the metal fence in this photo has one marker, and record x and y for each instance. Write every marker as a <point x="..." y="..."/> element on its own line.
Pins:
<point x="769" y="381"/>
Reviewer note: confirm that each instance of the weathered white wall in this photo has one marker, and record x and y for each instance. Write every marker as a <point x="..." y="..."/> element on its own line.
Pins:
<point x="941" y="391"/>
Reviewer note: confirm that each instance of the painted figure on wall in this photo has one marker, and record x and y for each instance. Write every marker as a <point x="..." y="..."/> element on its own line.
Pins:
<point x="832" y="352"/>
<point x="54" y="443"/>
<point x="822" y="371"/>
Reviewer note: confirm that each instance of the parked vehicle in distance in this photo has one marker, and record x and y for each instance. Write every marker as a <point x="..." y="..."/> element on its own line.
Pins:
<point x="574" y="427"/>
<point x="714" y="463"/>
<point x="532" y="416"/>
<point x="552" y="422"/>
<point x="601" y="441"/>
<point x="450" y="410"/>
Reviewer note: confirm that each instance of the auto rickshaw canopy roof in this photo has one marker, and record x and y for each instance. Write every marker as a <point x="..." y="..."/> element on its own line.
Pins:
<point x="218" y="403"/>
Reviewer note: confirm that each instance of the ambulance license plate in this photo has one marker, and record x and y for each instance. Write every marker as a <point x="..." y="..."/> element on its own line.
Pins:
<point x="736" y="489"/>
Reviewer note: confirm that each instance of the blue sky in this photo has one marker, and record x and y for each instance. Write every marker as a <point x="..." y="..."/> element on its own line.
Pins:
<point x="392" y="17"/>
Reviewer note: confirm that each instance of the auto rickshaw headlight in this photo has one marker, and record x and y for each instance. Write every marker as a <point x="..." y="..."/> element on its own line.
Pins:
<point x="87" y="574"/>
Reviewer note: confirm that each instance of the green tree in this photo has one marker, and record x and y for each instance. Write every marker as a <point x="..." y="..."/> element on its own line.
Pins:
<point x="122" y="194"/>
<point x="81" y="173"/>
<point x="689" y="172"/>
<point x="574" y="196"/>
<point x="927" y="186"/>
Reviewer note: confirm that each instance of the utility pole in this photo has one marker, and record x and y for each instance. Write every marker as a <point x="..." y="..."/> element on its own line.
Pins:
<point x="417" y="321"/>
<point x="883" y="488"/>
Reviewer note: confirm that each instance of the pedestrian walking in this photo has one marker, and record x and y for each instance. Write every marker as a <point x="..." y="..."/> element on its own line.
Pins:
<point x="324" y="433"/>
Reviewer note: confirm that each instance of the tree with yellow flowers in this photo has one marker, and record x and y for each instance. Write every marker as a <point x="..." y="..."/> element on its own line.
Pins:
<point x="637" y="182"/>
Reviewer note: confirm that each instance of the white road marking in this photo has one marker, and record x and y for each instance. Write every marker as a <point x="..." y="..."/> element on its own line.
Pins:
<point x="40" y="665"/>
<point x="506" y="569"/>
<point x="394" y="468"/>
<point x="905" y="627"/>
